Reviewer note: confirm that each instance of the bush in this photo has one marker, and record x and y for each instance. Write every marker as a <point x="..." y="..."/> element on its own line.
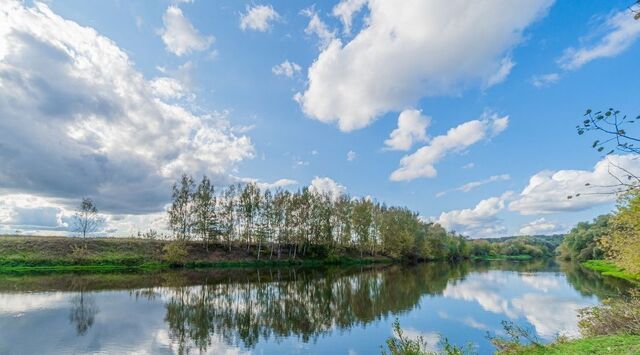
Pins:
<point x="517" y="338"/>
<point x="613" y="317"/>
<point x="399" y="344"/>
<point x="79" y="253"/>
<point x="175" y="253"/>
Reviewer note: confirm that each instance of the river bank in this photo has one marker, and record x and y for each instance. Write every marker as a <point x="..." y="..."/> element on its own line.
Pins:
<point x="28" y="253"/>
<point x="51" y="254"/>
<point x="607" y="268"/>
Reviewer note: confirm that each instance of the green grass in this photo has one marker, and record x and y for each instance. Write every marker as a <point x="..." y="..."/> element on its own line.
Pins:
<point x="612" y="344"/>
<point x="608" y="268"/>
<point x="52" y="254"/>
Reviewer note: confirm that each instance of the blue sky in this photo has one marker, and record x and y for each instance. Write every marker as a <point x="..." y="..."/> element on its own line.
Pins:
<point x="142" y="91"/>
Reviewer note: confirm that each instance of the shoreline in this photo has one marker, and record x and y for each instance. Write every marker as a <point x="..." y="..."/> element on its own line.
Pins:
<point x="607" y="268"/>
<point x="25" y="254"/>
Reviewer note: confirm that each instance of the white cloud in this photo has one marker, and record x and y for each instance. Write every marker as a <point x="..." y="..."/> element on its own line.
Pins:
<point x="318" y="27"/>
<point x="351" y="155"/>
<point x="327" y="186"/>
<point x="345" y="10"/>
<point x="622" y="31"/>
<point x="547" y="191"/>
<point x="469" y="166"/>
<point x="421" y="162"/>
<point x="168" y="88"/>
<point x="540" y="227"/>
<point x="550" y="315"/>
<point x="474" y="184"/>
<point x="72" y="103"/>
<point x="544" y="80"/>
<point x="480" y="221"/>
<point x="402" y="54"/>
<point x="33" y="213"/>
<point x="269" y="185"/>
<point x="412" y="127"/>
<point x="484" y="289"/>
<point x="506" y="64"/>
<point x="286" y="68"/>
<point x="179" y="35"/>
<point x="258" y="18"/>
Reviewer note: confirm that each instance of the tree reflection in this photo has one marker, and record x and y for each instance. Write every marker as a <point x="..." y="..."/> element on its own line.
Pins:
<point x="589" y="282"/>
<point x="302" y="304"/>
<point x="83" y="312"/>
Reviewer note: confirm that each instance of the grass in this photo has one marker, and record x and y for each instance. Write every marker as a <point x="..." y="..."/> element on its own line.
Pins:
<point x="608" y="268"/>
<point x="612" y="344"/>
<point x="35" y="254"/>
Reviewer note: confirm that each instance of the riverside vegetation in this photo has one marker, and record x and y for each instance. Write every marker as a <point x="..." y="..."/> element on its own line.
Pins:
<point x="242" y="225"/>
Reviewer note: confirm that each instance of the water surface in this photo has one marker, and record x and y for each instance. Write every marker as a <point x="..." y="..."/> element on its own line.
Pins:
<point x="282" y="311"/>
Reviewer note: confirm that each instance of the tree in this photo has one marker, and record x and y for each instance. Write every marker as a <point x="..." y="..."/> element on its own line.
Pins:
<point x="623" y="241"/>
<point x="86" y="219"/>
<point x="180" y="212"/>
<point x="614" y="129"/>
<point x="204" y="210"/>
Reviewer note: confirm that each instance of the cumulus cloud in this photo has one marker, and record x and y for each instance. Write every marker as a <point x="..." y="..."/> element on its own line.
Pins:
<point x="179" y="35"/>
<point x="421" y="162"/>
<point x="269" y="185"/>
<point x="168" y="88"/>
<point x="480" y="221"/>
<point x="351" y="155"/>
<point x="548" y="191"/>
<point x="622" y="32"/>
<point x="345" y="10"/>
<point x="412" y="128"/>
<point x="32" y="213"/>
<point x="403" y="54"/>
<point x="327" y="186"/>
<point x="258" y="18"/>
<point x="79" y="120"/>
<point x="317" y="27"/>
<point x="475" y="184"/>
<point x="286" y="68"/>
<point x="545" y="80"/>
<point x="540" y="227"/>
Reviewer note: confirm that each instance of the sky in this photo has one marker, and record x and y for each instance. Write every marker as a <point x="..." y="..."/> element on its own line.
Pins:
<point x="464" y="112"/>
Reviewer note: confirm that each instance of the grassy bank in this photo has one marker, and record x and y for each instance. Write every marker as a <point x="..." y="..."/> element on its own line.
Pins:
<point x="607" y="268"/>
<point x="612" y="344"/>
<point x="27" y="254"/>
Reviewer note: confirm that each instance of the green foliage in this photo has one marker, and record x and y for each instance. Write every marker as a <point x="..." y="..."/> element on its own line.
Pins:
<point x="582" y="242"/>
<point x="400" y="344"/>
<point x="517" y="248"/>
<point x="305" y="224"/>
<point x="622" y="244"/>
<point x="515" y="339"/>
<point x="175" y="253"/>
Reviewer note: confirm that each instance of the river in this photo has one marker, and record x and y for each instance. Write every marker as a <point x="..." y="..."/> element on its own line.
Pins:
<point x="341" y="310"/>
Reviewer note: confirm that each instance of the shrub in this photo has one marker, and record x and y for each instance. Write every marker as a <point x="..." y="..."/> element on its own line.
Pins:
<point x="621" y="316"/>
<point x="175" y="253"/>
<point x="516" y="339"/>
<point x="399" y="344"/>
<point x="79" y="253"/>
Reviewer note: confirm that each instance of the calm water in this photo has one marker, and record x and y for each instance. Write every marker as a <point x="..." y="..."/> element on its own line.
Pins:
<point x="281" y="311"/>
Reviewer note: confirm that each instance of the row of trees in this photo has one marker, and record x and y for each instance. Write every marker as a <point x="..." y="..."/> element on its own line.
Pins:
<point x="285" y="224"/>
